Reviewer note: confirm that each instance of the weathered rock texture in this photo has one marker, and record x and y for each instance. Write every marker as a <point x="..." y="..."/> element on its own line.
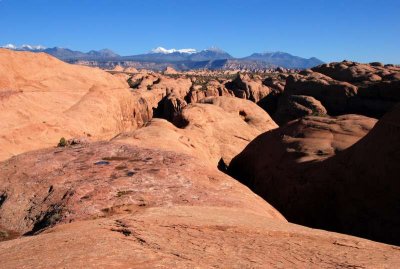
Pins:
<point x="193" y="237"/>
<point x="134" y="207"/>
<point x="334" y="95"/>
<point x="216" y="129"/>
<point x="293" y="107"/>
<point x="111" y="177"/>
<point x="243" y="86"/>
<point x="153" y="197"/>
<point x="43" y="99"/>
<point x="355" y="191"/>
<point x="342" y="88"/>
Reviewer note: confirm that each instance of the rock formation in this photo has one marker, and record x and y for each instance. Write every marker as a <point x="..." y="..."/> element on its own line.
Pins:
<point x="131" y="70"/>
<point x="111" y="177"/>
<point x="293" y="107"/>
<point x="248" y="88"/>
<point x="334" y="95"/>
<point x="118" y="68"/>
<point x="170" y="71"/>
<point x="314" y="175"/>
<point x="130" y="206"/>
<point x="354" y="72"/>
<point x="349" y="87"/>
<point x="207" y="89"/>
<point x="152" y="194"/>
<point x="216" y="129"/>
<point x="43" y="99"/>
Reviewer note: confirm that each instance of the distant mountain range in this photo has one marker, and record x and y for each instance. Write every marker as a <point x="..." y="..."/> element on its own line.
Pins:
<point x="181" y="59"/>
<point x="284" y="60"/>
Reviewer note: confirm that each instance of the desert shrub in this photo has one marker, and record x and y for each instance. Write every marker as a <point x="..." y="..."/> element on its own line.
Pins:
<point x="62" y="143"/>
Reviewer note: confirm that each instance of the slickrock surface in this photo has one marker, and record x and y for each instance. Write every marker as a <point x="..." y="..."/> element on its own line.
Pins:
<point x="142" y="208"/>
<point x="118" y="68"/>
<point x="355" y="72"/>
<point x="131" y="70"/>
<point x="193" y="237"/>
<point x="334" y="95"/>
<point x="162" y="134"/>
<point x="170" y="71"/>
<point x="293" y="107"/>
<point x="214" y="129"/>
<point x="347" y="87"/>
<point x="200" y="90"/>
<point x="43" y="99"/>
<point x="276" y="83"/>
<point x="246" y="87"/>
<point x="367" y="179"/>
<point x="154" y="95"/>
<point x="150" y="195"/>
<point x="88" y="181"/>
<point x="355" y="191"/>
<point x="224" y="131"/>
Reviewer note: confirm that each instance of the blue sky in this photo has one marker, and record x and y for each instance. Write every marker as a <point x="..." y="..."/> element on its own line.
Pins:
<point x="332" y="30"/>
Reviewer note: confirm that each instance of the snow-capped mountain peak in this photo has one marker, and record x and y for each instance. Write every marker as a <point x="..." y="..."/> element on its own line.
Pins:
<point x="215" y="49"/>
<point x="169" y="51"/>
<point x="23" y="47"/>
<point x="30" y="47"/>
<point x="9" y="46"/>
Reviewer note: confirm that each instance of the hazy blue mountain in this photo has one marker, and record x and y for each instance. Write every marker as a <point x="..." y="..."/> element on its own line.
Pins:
<point x="159" y="57"/>
<point x="212" y="58"/>
<point x="64" y="54"/>
<point x="93" y="55"/>
<point x="67" y="54"/>
<point x="284" y="59"/>
<point x="163" y="55"/>
<point x="104" y="53"/>
<point x="210" y="55"/>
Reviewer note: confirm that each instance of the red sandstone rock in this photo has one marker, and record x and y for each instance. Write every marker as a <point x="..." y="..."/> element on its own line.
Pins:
<point x="297" y="106"/>
<point x="217" y="128"/>
<point x="248" y="88"/>
<point x="354" y="191"/>
<point x="355" y="72"/>
<point x="136" y="207"/>
<point x="334" y="95"/>
<point x="43" y="99"/>
<point x="193" y="237"/>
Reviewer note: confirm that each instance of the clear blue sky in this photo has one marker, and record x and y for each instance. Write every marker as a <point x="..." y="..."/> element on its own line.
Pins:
<point x="361" y="30"/>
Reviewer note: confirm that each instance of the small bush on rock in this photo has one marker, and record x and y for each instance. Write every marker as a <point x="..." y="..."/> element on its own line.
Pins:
<point x="62" y="143"/>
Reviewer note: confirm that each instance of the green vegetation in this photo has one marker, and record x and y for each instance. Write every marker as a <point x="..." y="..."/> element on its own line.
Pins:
<point x="62" y="143"/>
